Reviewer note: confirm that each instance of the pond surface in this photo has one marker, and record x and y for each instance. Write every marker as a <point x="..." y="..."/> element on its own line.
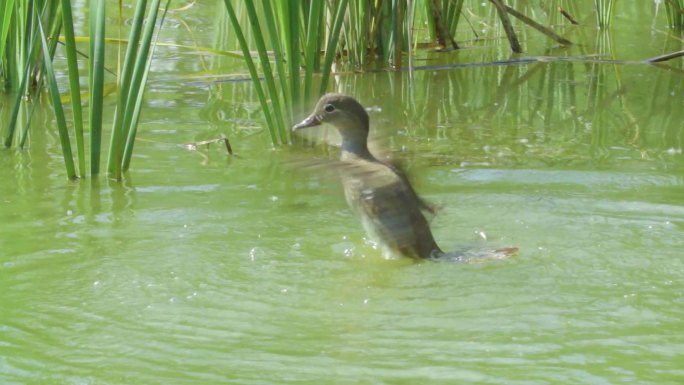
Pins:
<point x="205" y="268"/>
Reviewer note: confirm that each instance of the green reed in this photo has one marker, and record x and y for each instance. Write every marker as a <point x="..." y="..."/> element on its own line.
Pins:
<point x="96" y="81"/>
<point x="604" y="12"/>
<point x="674" y="10"/>
<point x="289" y="46"/>
<point x="22" y="59"/>
<point x="288" y="37"/>
<point x="24" y="33"/>
<point x="132" y="87"/>
<point x="74" y="88"/>
<point x="59" y="111"/>
<point x="445" y="16"/>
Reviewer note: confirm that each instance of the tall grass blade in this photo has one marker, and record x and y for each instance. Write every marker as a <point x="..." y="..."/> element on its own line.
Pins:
<point x="604" y="12"/>
<point x="6" y="10"/>
<point x="11" y="128"/>
<point x="674" y="10"/>
<point x="279" y="58"/>
<point x="330" y="49"/>
<point x="74" y="86"/>
<point x="289" y="25"/>
<point x="96" y="77"/>
<point x="452" y="14"/>
<point x="352" y="34"/>
<point x="142" y="69"/>
<point x="311" y="50"/>
<point x="57" y="105"/>
<point x="23" y="32"/>
<point x="268" y="74"/>
<point x="53" y="15"/>
<point x="116" y="145"/>
<point x="252" y="68"/>
<point x="507" y="25"/>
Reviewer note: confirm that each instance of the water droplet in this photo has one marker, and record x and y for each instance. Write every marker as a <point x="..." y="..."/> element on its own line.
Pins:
<point x="253" y="253"/>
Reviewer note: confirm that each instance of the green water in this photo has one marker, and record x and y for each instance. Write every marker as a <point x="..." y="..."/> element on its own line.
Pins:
<point x="202" y="268"/>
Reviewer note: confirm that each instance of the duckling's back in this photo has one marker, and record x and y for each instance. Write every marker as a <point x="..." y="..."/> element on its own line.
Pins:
<point x="390" y="208"/>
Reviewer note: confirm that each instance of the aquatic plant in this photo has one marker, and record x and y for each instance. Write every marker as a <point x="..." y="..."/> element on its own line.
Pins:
<point x="295" y="34"/>
<point x="21" y="56"/>
<point x="604" y="12"/>
<point x="293" y="50"/>
<point x="296" y="40"/>
<point x="24" y="32"/>
<point x="674" y="10"/>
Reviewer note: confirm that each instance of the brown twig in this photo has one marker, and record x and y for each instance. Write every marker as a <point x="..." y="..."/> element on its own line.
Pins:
<point x="545" y="30"/>
<point x="568" y="16"/>
<point x="193" y="146"/>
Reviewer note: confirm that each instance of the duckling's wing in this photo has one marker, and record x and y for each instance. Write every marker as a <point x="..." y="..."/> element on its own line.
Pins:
<point x="422" y="203"/>
<point x="390" y="204"/>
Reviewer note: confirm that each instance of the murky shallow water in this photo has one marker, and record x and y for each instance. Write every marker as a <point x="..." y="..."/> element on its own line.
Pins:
<point x="205" y="268"/>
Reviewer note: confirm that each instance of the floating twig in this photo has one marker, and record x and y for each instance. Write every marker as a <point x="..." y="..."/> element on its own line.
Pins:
<point x="665" y="57"/>
<point x="193" y="146"/>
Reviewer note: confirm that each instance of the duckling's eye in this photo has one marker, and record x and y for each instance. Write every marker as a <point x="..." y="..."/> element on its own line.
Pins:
<point x="329" y="108"/>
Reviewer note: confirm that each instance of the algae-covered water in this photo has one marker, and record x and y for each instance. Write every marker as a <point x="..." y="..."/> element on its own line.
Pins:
<point x="206" y="268"/>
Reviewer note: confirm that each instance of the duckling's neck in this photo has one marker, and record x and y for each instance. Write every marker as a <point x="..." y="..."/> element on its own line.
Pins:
<point x="357" y="147"/>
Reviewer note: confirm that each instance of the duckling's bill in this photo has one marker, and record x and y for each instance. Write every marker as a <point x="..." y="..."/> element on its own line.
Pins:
<point x="311" y="121"/>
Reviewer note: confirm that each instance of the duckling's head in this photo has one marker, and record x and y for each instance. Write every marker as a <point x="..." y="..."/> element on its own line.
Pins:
<point x="343" y="112"/>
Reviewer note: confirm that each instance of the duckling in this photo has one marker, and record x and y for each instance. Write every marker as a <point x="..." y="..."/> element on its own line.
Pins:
<point x="390" y="209"/>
